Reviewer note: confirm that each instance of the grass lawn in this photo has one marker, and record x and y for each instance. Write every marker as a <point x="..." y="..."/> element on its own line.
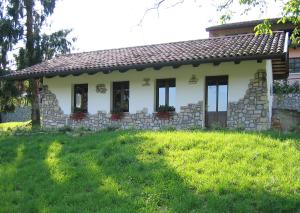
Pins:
<point x="13" y="125"/>
<point x="131" y="171"/>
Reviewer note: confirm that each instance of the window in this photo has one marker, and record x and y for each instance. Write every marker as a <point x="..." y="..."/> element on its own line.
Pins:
<point x="294" y="65"/>
<point x="165" y="92"/>
<point x="121" y="96"/>
<point x="80" y="98"/>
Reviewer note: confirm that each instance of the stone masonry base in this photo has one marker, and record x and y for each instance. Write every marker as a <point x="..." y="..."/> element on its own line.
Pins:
<point x="250" y="113"/>
<point x="53" y="117"/>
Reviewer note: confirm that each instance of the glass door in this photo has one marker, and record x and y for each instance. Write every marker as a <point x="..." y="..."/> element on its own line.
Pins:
<point x="216" y="101"/>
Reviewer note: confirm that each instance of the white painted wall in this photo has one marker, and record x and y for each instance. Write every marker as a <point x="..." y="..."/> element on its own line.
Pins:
<point x="144" y="97"/>
<point x="269" y="73"/>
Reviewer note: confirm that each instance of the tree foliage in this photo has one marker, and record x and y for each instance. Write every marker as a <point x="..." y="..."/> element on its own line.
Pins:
<point x="21" y="24"/>
<point x="290" y="13"/>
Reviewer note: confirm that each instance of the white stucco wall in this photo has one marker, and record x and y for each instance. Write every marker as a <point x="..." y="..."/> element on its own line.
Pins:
<point x="143" y="97"/>
<point x="270" y="87"/>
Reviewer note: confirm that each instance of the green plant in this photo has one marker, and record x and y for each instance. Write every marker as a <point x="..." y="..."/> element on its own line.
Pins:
<point x="65" y="129"/>
<point x="282" y="87"/>
<point x="165" y="108"/>
<point x="168" y="128"/>
<point x="164" y="111"/>
<point x="194" y="128"/>
<point x="217" y="126"/>
<point x="111" y="128"/>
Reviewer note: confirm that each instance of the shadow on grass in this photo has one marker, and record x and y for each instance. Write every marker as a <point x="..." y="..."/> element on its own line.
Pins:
<point x="113" y="172"/>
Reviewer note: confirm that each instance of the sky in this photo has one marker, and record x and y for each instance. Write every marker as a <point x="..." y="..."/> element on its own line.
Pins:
<point x="105" y="24"/>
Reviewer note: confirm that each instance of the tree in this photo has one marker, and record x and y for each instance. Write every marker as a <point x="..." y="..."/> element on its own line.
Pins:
<point x="290" y="13"/>
<point x="27" y="18"/>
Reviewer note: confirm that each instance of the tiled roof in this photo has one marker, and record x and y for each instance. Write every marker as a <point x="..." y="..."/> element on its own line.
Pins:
<point x="218" y="49"/>
<point x="235" y="25"/>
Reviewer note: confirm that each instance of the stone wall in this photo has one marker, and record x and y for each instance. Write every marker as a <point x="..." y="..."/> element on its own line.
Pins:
<point x="286" y="111"/>
<point x="251" y="112"/>
<point x="20" y="114"/>
<point x="287" y="101"/>
<point x="285" y="119"/>
<point x="53" y="117"/>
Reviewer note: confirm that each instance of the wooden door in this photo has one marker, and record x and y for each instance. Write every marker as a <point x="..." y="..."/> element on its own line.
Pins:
<point x="216" y="101"/>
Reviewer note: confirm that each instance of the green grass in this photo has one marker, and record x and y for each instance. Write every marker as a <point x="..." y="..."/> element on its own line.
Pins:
<point x="131" y="171"/>
<point x="13" y="125"/>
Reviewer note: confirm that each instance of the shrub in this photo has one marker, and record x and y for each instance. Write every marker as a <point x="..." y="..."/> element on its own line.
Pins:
<point x="217" y="126"/>
<point x="168" y="128"/>
<point x="164" y="111"/>
<point x="282" y="87"/>
<point x="65" y="129"/>
<point x="165" y="108"/>
<point x="194" y="128"/>
<point x="111" y="128"/>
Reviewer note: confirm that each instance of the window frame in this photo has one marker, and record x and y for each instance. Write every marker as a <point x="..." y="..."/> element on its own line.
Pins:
<point x="167" y="83"/>
<point x="293" y="62"/>
<point x="123" y="85"/>
<point x="82" y="109"/>
<point x="216" y="81"/>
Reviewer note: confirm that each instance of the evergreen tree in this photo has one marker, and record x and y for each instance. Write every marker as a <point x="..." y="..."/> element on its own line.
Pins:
<point x="25" y="20"/>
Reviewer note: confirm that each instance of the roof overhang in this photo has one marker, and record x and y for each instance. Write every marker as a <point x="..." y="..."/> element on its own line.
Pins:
<point x="236" y="48"/>
<point x="76" y="72"/>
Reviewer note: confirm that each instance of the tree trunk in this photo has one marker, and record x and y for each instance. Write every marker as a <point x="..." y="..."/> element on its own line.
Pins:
<point x="35" y="109"/>
<point x="35" y="112"/>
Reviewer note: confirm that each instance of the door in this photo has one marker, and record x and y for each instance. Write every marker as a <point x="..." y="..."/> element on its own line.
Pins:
<point x="216" y="101"/>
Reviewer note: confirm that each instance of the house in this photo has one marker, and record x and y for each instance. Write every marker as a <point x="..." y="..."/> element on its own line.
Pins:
<point x="224" y="81"/>
<point x="248" y="27"/>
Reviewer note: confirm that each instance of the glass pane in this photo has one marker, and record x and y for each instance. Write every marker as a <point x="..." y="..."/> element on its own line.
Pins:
<point x="161" y="96"/>
<point x="78" y="100"/>
<point x="222" y="98"/>
<point x="172" y="96"/>
<point x="117" y="101"/>
<point x="125" y="102"/>
<point x="212" y="98"/>
<point x="121" y="96"/>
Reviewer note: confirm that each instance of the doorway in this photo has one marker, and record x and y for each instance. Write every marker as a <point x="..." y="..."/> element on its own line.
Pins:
<point x="216" y="101"/>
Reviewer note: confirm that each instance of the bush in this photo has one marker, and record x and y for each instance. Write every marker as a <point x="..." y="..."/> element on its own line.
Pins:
<point x="111" y="128"/>
<point x="217" y="126"/>
<point x="165" y="108"/>
<point x="282" y="87"/>
<point x="65" y="129"/>
<point x="168" y="128"/>
<point x="194" y="128"/>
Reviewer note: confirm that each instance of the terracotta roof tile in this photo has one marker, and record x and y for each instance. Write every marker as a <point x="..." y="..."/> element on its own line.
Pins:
<point x="228" y="48"/>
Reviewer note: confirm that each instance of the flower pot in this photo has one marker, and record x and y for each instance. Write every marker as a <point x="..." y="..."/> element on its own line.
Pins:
<point x="116" y="117"/>
<point x="163" y="115"/>
<point x="78" y="116"/>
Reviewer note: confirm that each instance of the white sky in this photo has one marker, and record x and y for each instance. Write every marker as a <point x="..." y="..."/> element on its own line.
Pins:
<point x="103" y="24"/>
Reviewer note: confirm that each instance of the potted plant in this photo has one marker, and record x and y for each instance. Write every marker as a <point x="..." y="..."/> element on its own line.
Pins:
<point x="165" y="111"/>
<point x="117" y="114"/>
<point x="78" y="116"/>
